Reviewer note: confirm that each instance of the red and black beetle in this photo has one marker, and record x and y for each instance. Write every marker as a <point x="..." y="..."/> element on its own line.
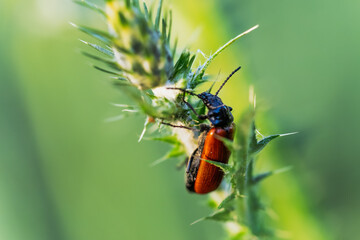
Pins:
<point x="203" y="177"/>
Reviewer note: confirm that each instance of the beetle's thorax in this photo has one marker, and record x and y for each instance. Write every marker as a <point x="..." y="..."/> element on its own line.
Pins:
<point x="219" y="114"/>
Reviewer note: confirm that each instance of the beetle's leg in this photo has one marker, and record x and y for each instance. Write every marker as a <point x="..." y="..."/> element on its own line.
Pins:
<point x="183" y="90"/>
<point x="204" y="127"/>
<point x="200" y="116"/>
<point x="178" y="126"/>
<point x="191" y="158"/>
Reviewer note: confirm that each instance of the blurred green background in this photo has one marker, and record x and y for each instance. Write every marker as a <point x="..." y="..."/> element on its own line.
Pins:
<point x="66" y="174"/>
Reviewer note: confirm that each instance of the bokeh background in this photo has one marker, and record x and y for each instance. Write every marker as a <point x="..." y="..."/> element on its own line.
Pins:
<point x="66" y="174"/>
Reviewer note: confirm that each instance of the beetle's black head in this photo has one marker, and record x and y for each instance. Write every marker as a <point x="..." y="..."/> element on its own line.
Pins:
<point x="210" y="100"/>
<point x="219" y="114"/>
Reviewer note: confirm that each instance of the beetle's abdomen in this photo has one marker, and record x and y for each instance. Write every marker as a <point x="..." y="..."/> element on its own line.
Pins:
<point x="209" y="177"/>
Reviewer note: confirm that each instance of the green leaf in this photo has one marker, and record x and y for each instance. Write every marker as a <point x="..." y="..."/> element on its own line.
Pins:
<point x="170" y="28"/>
<point x="91" y="6"/>
<point x="175" y="47"/>
<point x="263" y="176"/>
<point x="263" y="142"/>
<point x="100" y="35"/>
<point x="223" y="166"/>
<point x="163" y="31"/>
<point x="176" y="151"/>
<point x="110" y="72"/>
<point x="158" y="16"/>
<point x="182" y="66"/>
<point x="221" y="216"/>
<point x="146" y="12"/>
<point x="99" y="48"/>
<point x="227" y="201"/>
<point x="172" y="139"/>
<point x="136" y="4"/>
<point x="227" y="142"/>
<point x="123" y="80"/>
<point x="109" y="62"/>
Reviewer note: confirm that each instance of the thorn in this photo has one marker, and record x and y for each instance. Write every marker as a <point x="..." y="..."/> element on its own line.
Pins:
<point x="83" y="41"/>
<point x="130" y="110"/>
<point x="252" y="96"/>
<point x="258" y="132"/>
<point x="113" y="119"/>
<point x="202" y="53"/>
<point x="120" y="105"/>
<point x="197" y="221"/>
<point x="287" y="134"/>
<point x="147" y="121"/>
<point x="157" y="162"/>
<point x="284" y="169"/>
<point x="73" y="24"/>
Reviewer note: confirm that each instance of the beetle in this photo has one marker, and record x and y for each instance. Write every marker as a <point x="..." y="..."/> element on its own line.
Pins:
<point x="203" y="177"/>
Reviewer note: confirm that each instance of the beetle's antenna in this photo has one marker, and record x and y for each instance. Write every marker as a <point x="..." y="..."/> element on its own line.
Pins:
<point x="183" y="90"/>
<point x="227" y="79"/>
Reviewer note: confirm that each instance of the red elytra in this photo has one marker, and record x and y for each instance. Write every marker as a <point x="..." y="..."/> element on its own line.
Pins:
<point x="209" y="176"/>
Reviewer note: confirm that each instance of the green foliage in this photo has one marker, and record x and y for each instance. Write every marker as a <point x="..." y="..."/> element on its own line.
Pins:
<point x="243" y="205"/>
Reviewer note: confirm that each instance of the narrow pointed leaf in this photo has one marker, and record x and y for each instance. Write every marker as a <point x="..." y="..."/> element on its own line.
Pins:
<point x="176" y="151"/>
<point x="146" y="12"/>
<point x="99" y="48"/>
<point x="91" y="6"/>
<point x="170" y="28"/>
<point x="136" y="4"/>
<point x="223" y="166"/>
<point x="172" y="139"/>
<point x="263" y="176"/>
<point x="175" y="47"/>
<point x="227" y="142"/>
<point x="227" y="201"/>
<point x="163" y="30"/>
<point x="123" y="106"/>
<point x="108" y="62"/>
<point x="123" y="80"/>
<point x="263" y="142"/>
<point x="100" y="35"/>
<point x="221" y="216"/>
<point x="116" y="118"/>
<point x="158" y="16"/>
<point x="107" y="71"/>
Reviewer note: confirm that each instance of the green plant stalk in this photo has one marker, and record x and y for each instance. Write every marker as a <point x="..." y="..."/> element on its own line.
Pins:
<point x="141" y="57"/>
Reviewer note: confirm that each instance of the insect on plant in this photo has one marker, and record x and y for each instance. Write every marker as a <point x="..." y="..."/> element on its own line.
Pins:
<point x="201" y="176"/>
<point x="139" y="54"/>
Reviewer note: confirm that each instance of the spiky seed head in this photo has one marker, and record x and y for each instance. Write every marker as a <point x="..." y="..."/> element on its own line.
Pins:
<point x="140" y="49"/>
